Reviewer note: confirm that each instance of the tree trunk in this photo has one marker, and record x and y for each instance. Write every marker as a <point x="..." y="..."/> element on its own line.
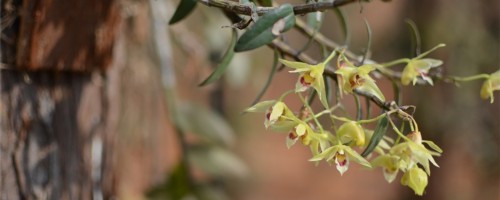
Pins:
<point x="57" y="109"/>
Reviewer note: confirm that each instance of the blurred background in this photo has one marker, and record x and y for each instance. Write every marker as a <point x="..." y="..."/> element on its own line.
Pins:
<point x="176" y="140"/>
<point x="101" y="100"/>
<point x="244" y="161"/>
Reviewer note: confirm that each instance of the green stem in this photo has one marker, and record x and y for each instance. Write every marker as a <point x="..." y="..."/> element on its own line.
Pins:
<point x="285" y="94"/>
<point x="397" y="130"/>
<point x="471" y="78"/>
<point x="365" y="121"/>
<point x="324" y="112"/>
<point x="312" y="112"/>
<point x="395" y="62"/>
<point x="429" y="51"/>
<point x="402" y="129"/>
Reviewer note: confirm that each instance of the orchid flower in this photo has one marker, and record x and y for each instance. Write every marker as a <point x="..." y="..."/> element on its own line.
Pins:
<point x="341" y="155"/>
<point x="491" y="84"/>
<point x="310" y="76"/>
<point x="353" y="77"/>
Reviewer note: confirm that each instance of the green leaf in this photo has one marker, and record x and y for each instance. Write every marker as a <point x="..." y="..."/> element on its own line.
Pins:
<point x="369" y="43"/>
<point x="183" y="10"/>
<point x="314" y="20"/>
<point x="228" y="56"/>
<point x="415" y="39"/>
<point x="379" y="133"/>
<point x="269" y="78"/>
<point x="261" y="32"/>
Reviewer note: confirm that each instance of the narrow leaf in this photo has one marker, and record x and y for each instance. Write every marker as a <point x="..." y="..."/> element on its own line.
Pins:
<point x="228" y="56"/>
<point x="415" y="38"/>
<point x="369" y="43"/>
<point x="269" y="78"/>
<point x="261" y="32"/>
<point x="183" y="10"/>
<point x="379" y="133"/>
<point x="345" y="25"/>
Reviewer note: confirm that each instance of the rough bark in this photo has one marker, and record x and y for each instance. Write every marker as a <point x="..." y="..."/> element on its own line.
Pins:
<point x="58" y="104"/>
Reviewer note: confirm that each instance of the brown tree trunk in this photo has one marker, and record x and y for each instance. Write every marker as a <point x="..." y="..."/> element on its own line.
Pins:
<point x="57" y="109"/>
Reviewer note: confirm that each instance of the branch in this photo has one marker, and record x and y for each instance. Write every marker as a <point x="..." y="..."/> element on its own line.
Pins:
<point x="321" y="39"/>
<point x="297" y="9"/>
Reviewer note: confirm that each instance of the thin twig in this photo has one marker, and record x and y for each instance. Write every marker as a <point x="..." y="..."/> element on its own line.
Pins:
<point x="297" y="9"/>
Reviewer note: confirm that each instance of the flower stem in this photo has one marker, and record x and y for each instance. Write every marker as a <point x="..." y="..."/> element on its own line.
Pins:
<point x="306" y="104"/>
<point x="285" y="94"/>
<point x="395" y="62"/>
<point x="372" y="119"/>
<point x="471" y="78"/>
<point x="397" y="130"/>
<point x="431" y="50"/>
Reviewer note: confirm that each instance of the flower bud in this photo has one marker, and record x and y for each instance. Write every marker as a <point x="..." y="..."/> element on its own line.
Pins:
<point x="352" y="132"/>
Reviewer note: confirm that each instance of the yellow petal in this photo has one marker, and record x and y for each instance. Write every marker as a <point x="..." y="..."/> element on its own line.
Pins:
<point x="295" y="65"/>
<point x="416" y="179"/>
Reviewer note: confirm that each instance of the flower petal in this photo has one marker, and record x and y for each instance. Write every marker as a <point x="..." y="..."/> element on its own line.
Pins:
<point x="328" y="154"/>
<point x="277" y="111"/>
<point x="432" y="62"/>
<point x="295" y="65"/>
<point x="370" y="87"/>
<point x="291" y="140"/>
<point x="416" y="179"/>
<point x="341" y="162"/>
<point x="356" y="157"/>
<point x="262" y="106"/>
<point x="319" y="86"/>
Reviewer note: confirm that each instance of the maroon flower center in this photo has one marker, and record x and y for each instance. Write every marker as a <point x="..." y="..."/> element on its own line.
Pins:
<point x="306" y="79"/>
<point x="341" y="159"/>
<point x="356" y="81"/>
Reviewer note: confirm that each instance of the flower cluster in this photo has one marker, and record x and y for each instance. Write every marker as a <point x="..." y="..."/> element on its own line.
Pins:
<point x="340" y="146"/>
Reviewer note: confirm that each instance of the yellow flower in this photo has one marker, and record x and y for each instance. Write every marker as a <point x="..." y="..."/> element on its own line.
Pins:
<point x="390" y="166"/>
<point x="278" y="116"/>
<point x="351" y="132"/>
<point x="416" y="179"/>
<point x="317" y="142"/>
<point x="302" y="131"/>
<point x="341" y="154"/>
<point x="353" y="77"/>
<point x="310" y="76"/>
<point x="491" y="84"/>
<point x="413" y="152"/>
<point x="419" y="67"/>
